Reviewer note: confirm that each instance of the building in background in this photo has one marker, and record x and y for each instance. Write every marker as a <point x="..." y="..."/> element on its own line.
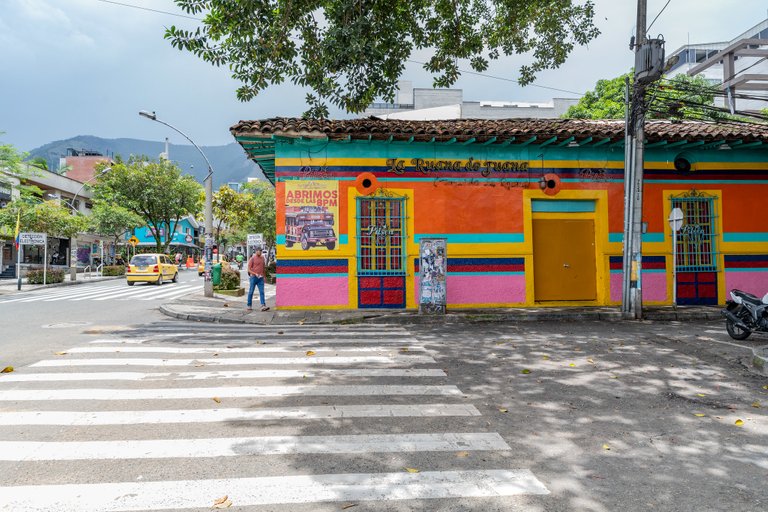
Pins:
<point x="431" y="104"/>
<point x="738" y="66"/>
<point x="80" y="164"/>
<point x="531" y="210"/>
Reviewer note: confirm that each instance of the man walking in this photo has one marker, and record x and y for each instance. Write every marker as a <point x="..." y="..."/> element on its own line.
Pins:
<point x="256" y="277"/>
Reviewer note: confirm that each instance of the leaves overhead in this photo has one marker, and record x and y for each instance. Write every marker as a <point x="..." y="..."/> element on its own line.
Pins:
<point x="349" y="52"/>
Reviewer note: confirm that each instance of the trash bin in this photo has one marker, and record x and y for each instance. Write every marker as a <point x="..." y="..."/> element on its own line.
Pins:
<point x="216" y="274"/>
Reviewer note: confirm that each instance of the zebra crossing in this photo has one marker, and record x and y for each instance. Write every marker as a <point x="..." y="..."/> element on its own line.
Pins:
<point x="99" y="293"/>
<point x="192" y="416"/>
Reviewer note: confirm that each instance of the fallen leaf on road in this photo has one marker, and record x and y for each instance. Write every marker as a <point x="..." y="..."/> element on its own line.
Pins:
<point x="218" y="504"/>
<point x="614" y="376"/>
<point x="606" y="447"/>
<point x="348" y="505"/>
<point x="279" y="332"/>
<point x="7" y="369"/>
<point x="572" y="365"/>
<point x="310" y="352"/>
<point x="590" y="361"/>
<point x="225" y="305"/>
<point x="462" y="454"/>
<point x="699" y="415"/>
<point x="216" y="399"/>
<point x="199" y="365"/>
<point x="756" y="404"/>
<point x="526" y="371"/>
<point x="412" y="470"/>
<point x="59" y="353"/>
<point x="739" y="423"/>
<point x="503" y="410"/>
<point x="765" y="387"/>
<point x="216" y="354"/>
<point x="545" y="358"/>
<point x="404" y="349"/>
<point x="701" y="395"/>
<point x="302" y="322"/>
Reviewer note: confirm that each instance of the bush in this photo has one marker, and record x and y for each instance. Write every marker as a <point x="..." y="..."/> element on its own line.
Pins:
<point x="271" y="270"/>
<point x="35" y="276"/>
<point x="113" y="270"/>
<point x="230" y="279"/>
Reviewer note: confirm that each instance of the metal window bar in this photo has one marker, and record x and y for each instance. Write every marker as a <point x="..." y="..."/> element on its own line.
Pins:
<point x="381" y="236"/>
<point x="697" y="239"/>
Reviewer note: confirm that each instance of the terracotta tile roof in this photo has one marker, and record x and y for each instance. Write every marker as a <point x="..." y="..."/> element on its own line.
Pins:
<point x="484" y="129"/>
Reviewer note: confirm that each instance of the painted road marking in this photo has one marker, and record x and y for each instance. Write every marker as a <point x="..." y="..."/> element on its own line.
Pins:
<point x="221" y="350"/>
<point x="238" y="446"/>
<point x="308" y="361"/>
<point x="92" y="418"/>
<point x="231" y="340"/>
<point x="243" y="492"/>
<point x="223" y="392"/>
<point x="222" y="374"/>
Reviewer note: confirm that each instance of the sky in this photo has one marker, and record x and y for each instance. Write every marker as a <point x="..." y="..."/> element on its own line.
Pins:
<point x="86" y="67"/>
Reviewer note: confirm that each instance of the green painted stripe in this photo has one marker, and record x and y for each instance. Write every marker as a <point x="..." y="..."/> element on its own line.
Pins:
<point x="292" y="276"/>
<point x="647" y="237"/>
<point x="560" y="206"/>
<point x="745" y="237"/>
<point x="475" y="238"/>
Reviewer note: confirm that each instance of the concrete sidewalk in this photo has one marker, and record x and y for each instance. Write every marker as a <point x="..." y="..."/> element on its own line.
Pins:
<point x="222" y="309"/>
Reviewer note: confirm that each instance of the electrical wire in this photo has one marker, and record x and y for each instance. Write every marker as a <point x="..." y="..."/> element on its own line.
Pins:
<point x="148" y="9"/>
<point x="657" y="16"/>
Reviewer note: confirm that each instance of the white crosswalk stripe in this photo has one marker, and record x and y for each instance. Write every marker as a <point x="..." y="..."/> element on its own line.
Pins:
<point x="361" y="391"/>
<point x="104" y="293"/>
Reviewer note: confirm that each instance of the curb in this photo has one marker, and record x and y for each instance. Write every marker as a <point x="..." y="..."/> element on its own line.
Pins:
<point x="760" y="359"/>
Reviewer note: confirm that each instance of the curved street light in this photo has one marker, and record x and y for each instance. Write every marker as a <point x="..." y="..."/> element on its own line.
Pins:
<point x="101" y="173"/>
<point x="208" y="285"/>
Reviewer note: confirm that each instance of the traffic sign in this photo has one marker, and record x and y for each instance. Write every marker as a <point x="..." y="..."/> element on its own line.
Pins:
<point x="188" y="238"/>
<point x="133" y="241"/>
<point x="676" y="219"/>
<point x="32" y="238"/>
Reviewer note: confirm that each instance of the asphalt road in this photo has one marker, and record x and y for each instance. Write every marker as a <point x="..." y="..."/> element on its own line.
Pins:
<point x="161" y="415"/>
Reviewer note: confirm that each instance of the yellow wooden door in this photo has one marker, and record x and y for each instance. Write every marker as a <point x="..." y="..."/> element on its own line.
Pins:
<point x="564" y="260"/>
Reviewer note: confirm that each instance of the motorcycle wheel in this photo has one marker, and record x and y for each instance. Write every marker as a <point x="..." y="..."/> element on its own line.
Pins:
<point x="736" y="332"/>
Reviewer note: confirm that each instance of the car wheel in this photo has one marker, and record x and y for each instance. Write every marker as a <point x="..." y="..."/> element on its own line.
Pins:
<point x="175" y="278"/>
<point x="304" y="242"/>
<point x="331" y="245"/>
<point x="160" y="280"/>
<point x="288" y="243"/>
<point x="131" y="283"/>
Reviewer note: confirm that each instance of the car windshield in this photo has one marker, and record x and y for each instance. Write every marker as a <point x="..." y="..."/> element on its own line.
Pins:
<point x="143" y="260"/>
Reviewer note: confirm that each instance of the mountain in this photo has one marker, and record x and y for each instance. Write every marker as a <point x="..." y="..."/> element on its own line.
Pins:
<point x="230" y="163"/>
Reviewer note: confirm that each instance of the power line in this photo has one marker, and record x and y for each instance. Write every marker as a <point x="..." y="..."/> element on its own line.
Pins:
<point x="148" y="9"/>
<point x="657" y="16"/>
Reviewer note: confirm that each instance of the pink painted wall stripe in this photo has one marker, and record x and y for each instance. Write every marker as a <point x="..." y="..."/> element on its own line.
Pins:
<point x="755" y="283"/>
<point x="313" y="291"/>
<point x="654" y="287"/>
<point x="479" y="289"/>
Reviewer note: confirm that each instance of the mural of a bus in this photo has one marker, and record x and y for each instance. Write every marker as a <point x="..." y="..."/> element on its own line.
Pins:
<point x="310" y="226"/>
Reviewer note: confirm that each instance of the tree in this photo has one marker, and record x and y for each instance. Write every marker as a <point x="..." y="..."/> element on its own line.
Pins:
<point x="113" y="220"/>
<point x="682" y="97"/>
<point x="349" y="52"/>
<point x="155" y="191"/>
<point x="48" y="217"/>
<point x="231" y="212"/>
<point x="263" y="220"/>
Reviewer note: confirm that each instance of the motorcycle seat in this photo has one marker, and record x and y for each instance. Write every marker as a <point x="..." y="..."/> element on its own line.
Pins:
<point x="750" y="298"/>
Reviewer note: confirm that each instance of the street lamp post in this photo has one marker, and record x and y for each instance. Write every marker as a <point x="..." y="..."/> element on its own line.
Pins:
<point x="208" y="285"/>
<point x="73" y="240"/>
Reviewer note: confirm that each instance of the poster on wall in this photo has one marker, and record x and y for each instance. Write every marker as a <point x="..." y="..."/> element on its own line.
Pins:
<point x="432" y="269"/>
<point x="311" y="215"/>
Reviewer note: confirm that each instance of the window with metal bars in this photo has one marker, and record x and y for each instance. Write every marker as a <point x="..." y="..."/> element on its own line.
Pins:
<point x="381" y="236"/>
<point x="696" y="240"/>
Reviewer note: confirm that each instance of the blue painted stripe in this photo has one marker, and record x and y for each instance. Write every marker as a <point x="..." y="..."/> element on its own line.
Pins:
<point x="280" y="239"/>
<point x="745" y="237"/>
<point x="713" y="182"/>
<point x="742" y="269"/>
<point x="311" y="263"/>
<point x="306" y="276"/>
<point x="475" y="238"/>
<point x="745" y="257"/>
<point x="558" y="206"/>
<point x="647" y="237"/>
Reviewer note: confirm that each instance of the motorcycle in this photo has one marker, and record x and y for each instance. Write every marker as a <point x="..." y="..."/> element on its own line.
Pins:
<point x="745" y="314"/>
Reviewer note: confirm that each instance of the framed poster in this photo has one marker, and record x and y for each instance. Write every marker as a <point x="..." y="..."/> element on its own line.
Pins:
<point x="433" y="265"/>
<point x="311" y="215"/>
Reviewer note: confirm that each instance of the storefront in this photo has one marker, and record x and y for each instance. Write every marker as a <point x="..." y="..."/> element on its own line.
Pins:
<point x="531" y="210"/>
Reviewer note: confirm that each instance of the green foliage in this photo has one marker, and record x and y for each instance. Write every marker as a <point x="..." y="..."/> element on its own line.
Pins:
<point x="230" y="279"/>
<point x="35" y="276"/>
<point x="155" y="191"/>
<point x="112" y="220"/>
<point x="263" y="220"/>
<point x="231" y="212"/>
<point x="45" y="217"/>
<point x="349" y="52"/>
<point x="113" y="270"/>
<point x="681" y="97"/>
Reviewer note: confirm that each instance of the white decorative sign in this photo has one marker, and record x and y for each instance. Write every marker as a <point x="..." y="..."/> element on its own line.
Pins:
<point x="33" y="238"/>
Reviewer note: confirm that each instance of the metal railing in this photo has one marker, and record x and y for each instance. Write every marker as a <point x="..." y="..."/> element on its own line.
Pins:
<point x="100" y="270"/>
<point x="87" y="270"/>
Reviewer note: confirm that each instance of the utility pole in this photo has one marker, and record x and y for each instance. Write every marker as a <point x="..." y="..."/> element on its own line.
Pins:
<point x="638" y="107"/>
